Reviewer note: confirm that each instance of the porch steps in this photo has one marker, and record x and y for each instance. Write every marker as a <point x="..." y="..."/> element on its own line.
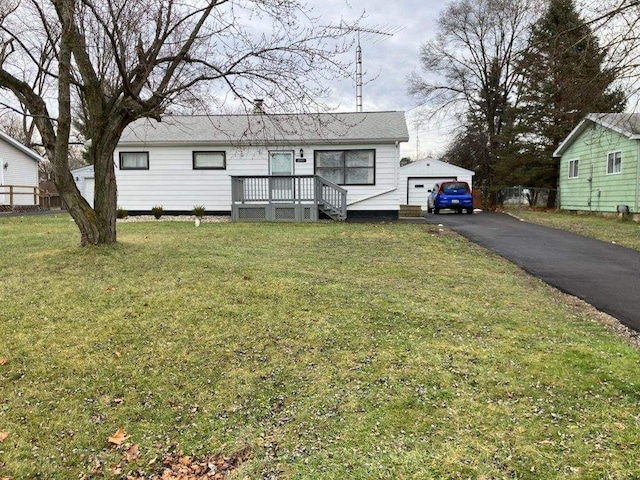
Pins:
<point x="331" y="212"/>
<point x="411" y="211"/>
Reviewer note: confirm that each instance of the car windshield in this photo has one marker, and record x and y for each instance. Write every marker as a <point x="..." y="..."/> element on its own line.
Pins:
<point x="455" y="187"/>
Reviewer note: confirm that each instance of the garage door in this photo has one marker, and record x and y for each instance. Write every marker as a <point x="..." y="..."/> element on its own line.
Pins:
<point x="419" y="189"/>
<point x="89" y="188"/>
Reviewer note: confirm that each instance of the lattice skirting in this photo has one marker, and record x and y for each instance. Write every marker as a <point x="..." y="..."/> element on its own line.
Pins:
<point x="274" y="213"/>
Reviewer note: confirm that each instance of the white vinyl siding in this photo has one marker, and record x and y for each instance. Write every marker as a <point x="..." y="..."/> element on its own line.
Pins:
<point x="573" y="168"/>
<point x="21" y="171"/>
<point x="172" y="182"/>
<point x="614" y="163"/>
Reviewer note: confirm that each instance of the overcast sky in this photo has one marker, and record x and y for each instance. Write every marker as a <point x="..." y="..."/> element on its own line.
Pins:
<point x="388" y="61"/>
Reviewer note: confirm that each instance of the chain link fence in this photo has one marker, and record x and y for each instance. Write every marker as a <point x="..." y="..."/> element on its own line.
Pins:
<point x="528" y="197"/>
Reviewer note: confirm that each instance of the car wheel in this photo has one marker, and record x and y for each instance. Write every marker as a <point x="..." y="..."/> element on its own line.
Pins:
<point x="469" y="210"/>
<point x="436" y="210"/>
<point x="429" y="209"/>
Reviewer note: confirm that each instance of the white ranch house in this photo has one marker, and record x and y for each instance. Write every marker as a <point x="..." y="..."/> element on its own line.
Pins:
<point x="258" y="166"/>
<point x="18" y="174"/>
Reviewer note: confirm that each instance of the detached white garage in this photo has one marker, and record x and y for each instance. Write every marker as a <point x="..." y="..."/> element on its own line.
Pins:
<point x="416" y="180"/>
<point x="85" y="180"/>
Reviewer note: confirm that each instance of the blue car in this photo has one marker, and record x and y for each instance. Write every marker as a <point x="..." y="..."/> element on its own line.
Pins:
<point x="454" y="195"/>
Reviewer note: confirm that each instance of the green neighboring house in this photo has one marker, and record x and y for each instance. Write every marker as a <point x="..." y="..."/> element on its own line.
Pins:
<point x="600" y="164"/>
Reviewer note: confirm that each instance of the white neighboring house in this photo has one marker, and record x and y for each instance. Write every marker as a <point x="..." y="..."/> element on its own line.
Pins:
<point x="85" y="180"/>
<point x="184" y="161"/>
<point x="18" y="173"/>
<point x="416" y="179"/>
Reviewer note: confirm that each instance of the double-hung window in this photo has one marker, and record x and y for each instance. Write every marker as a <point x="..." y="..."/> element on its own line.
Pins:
<point x="134" y="160"/>
<point x="614" y="163"/>
<point x="573" y="168"/>
<point x="346" y="167"/>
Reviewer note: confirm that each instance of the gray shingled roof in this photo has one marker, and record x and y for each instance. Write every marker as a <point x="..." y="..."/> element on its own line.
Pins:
<point x="627" y="124"/>
<point x="264" y="129"/>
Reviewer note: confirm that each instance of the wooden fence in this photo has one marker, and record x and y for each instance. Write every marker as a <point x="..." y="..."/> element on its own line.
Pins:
<point x="10" y="196"/>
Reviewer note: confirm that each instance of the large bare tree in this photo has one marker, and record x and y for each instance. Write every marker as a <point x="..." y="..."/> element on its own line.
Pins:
<point x="469" y="68"/>
<point x="107" y="63"/>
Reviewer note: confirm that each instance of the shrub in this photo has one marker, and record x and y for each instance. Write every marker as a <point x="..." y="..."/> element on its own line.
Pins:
<point x="122" y="212"/>
<point x="157" y="211"/>
<point x="199" y="210"/>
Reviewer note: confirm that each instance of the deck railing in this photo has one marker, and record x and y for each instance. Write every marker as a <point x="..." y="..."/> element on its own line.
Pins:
<point x="331" y="198"/>
<point x="286" y="197"/>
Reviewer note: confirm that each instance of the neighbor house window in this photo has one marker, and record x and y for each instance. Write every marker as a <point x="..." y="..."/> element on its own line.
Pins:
<point x="209" y="161"/>
<point x="573" y="168"/>
<point x="346" y="167"/>
<point x="614" y="162"/>
<point x="134" y="160"/>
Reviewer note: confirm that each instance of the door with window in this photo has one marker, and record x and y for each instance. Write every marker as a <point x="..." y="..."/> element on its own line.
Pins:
<point x="281" y="165"/>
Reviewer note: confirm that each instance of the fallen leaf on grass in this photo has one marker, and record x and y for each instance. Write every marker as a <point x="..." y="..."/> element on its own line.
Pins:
<point x="118" y="437"/>
<point x="3" y="436"/>
<point x="117" y="354"/>
<point x="132" y="453"/>
<point x="3" y="361"/>
<point x="215" y="467"/>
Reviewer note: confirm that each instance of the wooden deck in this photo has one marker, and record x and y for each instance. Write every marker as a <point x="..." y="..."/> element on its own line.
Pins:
<point x="286" y="198"/>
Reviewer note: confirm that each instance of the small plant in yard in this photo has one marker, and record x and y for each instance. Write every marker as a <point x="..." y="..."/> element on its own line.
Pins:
<point x="122" y="212"/>
<point x="199" y="210"/>
<point x="157" y="211"/>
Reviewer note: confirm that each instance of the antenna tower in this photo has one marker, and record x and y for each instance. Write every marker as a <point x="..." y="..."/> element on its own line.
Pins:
<point x="376" y="33"/>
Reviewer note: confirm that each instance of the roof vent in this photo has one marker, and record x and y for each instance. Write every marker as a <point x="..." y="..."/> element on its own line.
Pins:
<point x="258" y="105"/>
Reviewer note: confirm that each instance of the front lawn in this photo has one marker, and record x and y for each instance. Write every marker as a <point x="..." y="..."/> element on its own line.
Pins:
<point x="319" y="351"/>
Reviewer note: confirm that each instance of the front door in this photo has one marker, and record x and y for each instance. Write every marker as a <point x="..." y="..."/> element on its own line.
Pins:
<point x="281" y="165"/>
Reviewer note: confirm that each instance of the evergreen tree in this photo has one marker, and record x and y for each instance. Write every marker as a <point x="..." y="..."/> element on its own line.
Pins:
<point x="564" y="77"/>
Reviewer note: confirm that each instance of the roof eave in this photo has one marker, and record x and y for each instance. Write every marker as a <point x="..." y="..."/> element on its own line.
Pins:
<point x="250" y="143"/>
<point x="581" y="127"/>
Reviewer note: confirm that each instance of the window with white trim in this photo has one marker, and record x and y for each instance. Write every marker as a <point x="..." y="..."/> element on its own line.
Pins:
<point x="134" y="160"/>
<point x="209" y="160"/>
<point x="573" y="168"/>
<point x="614" y="162"/>
<point x="346" y="167"/>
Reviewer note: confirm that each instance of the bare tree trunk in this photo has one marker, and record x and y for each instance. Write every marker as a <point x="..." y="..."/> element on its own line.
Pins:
<point x="106" y="192"/>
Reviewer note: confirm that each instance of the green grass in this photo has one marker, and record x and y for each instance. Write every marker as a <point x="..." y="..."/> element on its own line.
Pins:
<point x="609" y="229"/>
<point x="330" y="350"/>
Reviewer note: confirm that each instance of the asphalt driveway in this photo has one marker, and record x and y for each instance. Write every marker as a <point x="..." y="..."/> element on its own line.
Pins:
<point x="603" y="274"/>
